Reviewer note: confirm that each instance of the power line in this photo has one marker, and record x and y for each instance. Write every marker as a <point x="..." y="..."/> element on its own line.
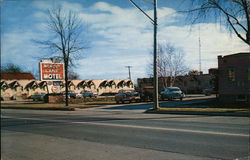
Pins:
<point x="154" y="22"/>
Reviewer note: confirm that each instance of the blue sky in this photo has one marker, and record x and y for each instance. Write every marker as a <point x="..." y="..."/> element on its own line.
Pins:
<point x="117" y="34"/>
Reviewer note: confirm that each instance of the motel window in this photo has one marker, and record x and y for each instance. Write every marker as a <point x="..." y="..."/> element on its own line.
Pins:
<point x="231" y="74"/>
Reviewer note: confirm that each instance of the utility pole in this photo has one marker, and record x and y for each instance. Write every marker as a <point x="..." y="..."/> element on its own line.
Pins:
<point x="154" y="21"/>
<point x="156" y="99"/>
<point x="129" y="71"/>
<point x="199" y="52"/>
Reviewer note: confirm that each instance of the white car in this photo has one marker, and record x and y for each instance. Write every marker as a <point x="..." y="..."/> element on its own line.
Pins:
<point x="171" y="93"/>
<point x="79" y="95"/>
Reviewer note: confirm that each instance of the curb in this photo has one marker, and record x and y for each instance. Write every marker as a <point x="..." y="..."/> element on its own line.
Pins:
<point x="42" y="108"/>
<point x="199" y="113"/>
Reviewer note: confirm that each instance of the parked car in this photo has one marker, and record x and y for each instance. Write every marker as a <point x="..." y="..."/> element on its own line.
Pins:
<point x="87" y="94"/>
<point x="108" y="94"/>
<point x="135" y="96"/>
<point x="122" y="97"/>
<point x="72" y="94"/>
<point x="38" y="97"/>
<point x="125" y="90"/>
<point x="127" y="97"/>
<point x="171" y="93"/>
<point x="79" y="95"/>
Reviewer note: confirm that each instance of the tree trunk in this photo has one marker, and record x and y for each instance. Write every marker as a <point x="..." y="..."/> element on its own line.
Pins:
<point x="66" y="85"/>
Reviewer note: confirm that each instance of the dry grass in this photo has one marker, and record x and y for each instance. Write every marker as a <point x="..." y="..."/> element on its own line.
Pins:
<point x="233" y="110"/>
<point x="38" y="106"/>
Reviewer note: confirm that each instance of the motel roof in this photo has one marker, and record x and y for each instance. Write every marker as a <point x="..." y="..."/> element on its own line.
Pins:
<point x="17" y="76"/>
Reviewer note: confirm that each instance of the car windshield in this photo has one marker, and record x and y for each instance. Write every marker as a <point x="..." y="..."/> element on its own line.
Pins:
<point x="135" y="94"/>
<point x="174" y="89"/>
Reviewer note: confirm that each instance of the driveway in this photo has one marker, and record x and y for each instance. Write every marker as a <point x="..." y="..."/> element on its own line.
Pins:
<point x="172" y="104"/>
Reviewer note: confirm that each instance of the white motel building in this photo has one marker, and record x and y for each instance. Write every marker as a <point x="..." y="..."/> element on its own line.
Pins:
<point x="23" y="85"/>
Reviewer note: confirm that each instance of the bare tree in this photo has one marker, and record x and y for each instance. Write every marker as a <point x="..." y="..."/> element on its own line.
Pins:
<point x="194" y="72"/>
<point x="170" y="64"/>
<point x="11" y="68"/>
<point x="66" y="29"/>
<point x="73" y="75"/>
<point x="234" y="13"/>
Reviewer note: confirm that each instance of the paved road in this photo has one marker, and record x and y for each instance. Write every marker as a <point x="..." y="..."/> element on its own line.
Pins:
<point x="94" y="134"/>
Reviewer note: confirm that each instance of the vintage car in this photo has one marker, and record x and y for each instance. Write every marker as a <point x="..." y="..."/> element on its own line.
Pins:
<point x="171" y="93"/>
<point x="88" y="94"/>
<point x="72" y="94"/>
<point x="127" y="97"/>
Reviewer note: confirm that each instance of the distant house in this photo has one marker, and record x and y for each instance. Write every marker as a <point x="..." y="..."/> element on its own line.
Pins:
<point x="234" y="77"/>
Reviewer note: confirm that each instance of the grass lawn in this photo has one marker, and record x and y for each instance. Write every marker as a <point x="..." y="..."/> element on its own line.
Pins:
<point x="210" y="106"/>
<point x="232" y="110"/>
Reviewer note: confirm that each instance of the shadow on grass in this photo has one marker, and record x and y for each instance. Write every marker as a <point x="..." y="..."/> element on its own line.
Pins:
<point x="217" y="104"/>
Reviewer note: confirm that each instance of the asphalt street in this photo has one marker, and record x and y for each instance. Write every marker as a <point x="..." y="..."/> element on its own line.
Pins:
<point x="120" y="134"/>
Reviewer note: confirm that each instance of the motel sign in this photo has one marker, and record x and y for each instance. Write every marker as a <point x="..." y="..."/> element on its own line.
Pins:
<point x="51" y="71"/>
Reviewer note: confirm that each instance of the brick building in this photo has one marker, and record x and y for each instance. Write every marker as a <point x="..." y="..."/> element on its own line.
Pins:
<point x="188" y="83"/>
<point x="234" y="77"/>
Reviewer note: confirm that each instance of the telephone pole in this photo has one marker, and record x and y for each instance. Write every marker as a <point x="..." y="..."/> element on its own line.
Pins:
<point x="156" y="99"/>
<point x="199" y="52"/>
<point x="154" y="21"/>
<point x="129" y="71"/>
